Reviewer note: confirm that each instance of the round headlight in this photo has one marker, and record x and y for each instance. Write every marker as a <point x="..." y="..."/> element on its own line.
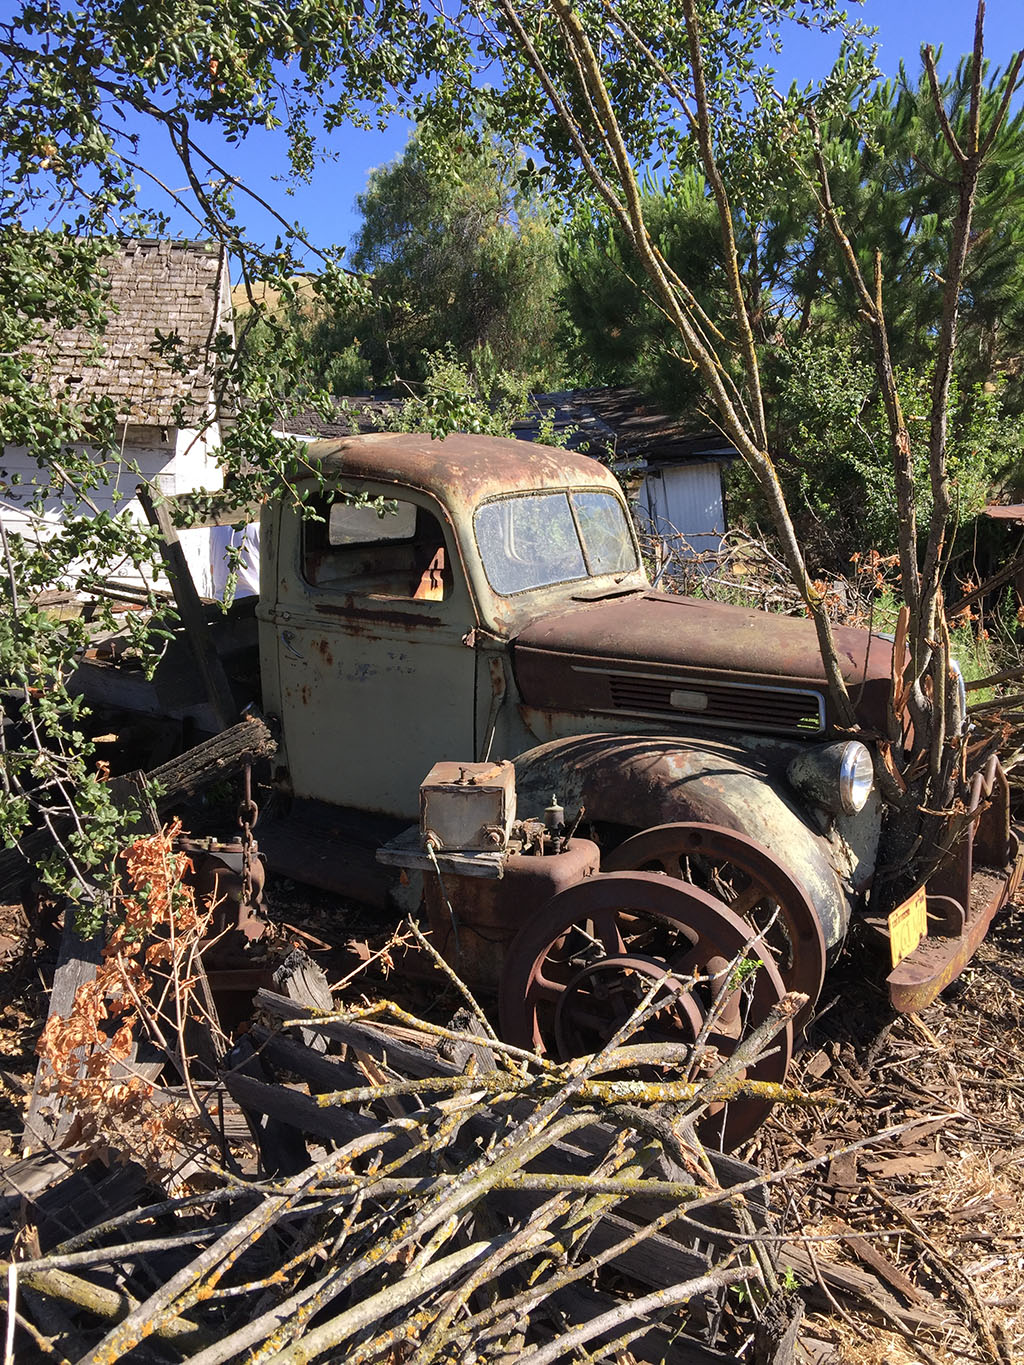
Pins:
<point x="856" y="777"/>
<point x="838" y="777"/>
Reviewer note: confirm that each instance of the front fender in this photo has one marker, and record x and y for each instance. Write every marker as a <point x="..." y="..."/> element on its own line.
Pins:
<point x="644" y="781"/>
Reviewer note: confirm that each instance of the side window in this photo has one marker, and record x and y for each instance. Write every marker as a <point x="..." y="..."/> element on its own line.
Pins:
<point x="392" y="550"/>
<point x="348" y="524"/>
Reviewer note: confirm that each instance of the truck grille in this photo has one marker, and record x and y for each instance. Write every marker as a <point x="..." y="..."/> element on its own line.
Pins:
<point x="733" y="705"/>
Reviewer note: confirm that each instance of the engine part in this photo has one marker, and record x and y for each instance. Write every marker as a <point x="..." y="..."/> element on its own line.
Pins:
<point x="229" y="877"/>
<point x="468" y="806"/>
<point x="473" y="919"/>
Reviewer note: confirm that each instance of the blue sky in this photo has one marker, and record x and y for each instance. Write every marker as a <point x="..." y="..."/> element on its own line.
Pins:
<point x="327" y="207"/>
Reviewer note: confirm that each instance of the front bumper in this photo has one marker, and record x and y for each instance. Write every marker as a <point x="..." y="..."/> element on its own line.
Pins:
<point x="940" y="958"/>
<point x="982" y="874"/>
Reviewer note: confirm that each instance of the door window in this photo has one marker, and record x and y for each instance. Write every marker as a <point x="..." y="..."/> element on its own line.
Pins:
<point x="390" y="549"/>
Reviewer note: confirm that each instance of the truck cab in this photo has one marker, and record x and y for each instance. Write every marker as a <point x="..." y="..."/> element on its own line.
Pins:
<point x="397" y="588"/>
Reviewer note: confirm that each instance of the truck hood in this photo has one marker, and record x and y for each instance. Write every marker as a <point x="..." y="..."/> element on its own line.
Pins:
<point x="655" y="654"/>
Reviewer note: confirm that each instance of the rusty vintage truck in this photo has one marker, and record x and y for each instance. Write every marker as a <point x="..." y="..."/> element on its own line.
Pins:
<point x="477" y="600"/>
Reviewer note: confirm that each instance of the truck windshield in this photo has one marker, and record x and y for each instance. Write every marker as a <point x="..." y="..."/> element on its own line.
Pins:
<point x="535" y="539"/>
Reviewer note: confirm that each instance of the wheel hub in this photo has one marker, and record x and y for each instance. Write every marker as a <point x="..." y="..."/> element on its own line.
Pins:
<point x="599" y="999"/>
<point x="752" y="883"/>
<point x="577" y="969"/>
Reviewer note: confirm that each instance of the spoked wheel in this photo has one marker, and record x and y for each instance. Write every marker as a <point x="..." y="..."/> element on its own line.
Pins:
<point x="744" y="874"/>
<point x="579" y="967"/>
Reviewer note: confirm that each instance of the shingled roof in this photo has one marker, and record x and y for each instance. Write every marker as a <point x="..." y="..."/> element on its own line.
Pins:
<point x="170" y="287"/>
<point x="619" y="425"/>
<point x="623" y="426"/>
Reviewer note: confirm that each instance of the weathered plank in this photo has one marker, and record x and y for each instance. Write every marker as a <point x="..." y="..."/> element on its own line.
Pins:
<point x="270" y="1110"/>
<point x="582" y="1303"/>
<point x="300" y="980"/>
<point x="223" y="756"/>
<point x="777" y="1330"/>
<point x="296" y="1110"/>
<point x="320" y="1073"/>
<point x="84" y="1198"/>
<point x="48" y="1117"/>
<point x="848" y="1281"/>
<point x="403" y="1056"/>
<point x="190" y="609"/>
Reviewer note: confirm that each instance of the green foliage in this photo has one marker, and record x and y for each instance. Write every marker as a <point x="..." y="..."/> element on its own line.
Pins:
<point x="485" y="401"/>
<point x="833" y="454"/>
<point x="461" y="255"/>
<point x="305" y="343"/>
<point x="77" y="85"/>
<point x="895" y="176"/>
<point x="744" y="970"/>
<point x="615" y="332"/>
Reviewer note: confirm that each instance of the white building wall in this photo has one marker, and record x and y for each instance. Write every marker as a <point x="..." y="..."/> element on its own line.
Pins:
<point x="683" y="506"/>
<point x="195" y="467"/>
<point x="173" y="461"/>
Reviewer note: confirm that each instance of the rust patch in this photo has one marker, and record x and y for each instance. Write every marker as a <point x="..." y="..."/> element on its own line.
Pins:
<point x="324" y="650"/>
<point x="360" y="619"/>
<point x="937" y="961"/>
<point x="699" y="662"/>
<point x="642" y="781"/>
<point x="461" y="469"/>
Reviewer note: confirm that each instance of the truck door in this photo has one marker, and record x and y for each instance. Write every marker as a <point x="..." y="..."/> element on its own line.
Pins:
<point x="376" y="682"/>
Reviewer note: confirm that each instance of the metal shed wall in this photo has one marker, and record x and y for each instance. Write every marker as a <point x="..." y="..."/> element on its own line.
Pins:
<point x="685" y="501"/>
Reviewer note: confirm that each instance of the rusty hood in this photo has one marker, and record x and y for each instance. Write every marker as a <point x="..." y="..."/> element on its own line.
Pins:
<point x="657" y="654"/>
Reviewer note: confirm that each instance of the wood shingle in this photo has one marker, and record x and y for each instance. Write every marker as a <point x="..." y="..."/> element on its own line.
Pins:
<point x="172" y="287"/>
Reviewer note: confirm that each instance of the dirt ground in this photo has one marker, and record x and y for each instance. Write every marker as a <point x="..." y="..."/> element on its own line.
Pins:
<point x="941" y="1202"/>
<point x="934" y="1212"/>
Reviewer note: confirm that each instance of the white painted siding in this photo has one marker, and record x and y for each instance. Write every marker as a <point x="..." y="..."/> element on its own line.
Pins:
<point x="173" y="461"/>
<point x="195" y="466"/>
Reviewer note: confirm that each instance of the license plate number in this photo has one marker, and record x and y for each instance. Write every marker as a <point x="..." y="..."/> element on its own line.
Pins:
<point x="908" y="925"/>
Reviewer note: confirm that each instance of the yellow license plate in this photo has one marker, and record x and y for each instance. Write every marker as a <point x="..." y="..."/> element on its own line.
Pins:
<point x="908" y="925"/>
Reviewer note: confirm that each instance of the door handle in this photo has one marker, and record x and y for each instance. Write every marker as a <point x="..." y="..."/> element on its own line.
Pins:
<point x="288" y="640"/>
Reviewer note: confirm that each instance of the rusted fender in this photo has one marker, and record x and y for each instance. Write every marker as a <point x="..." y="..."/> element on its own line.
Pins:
<point x="650" y="781"/>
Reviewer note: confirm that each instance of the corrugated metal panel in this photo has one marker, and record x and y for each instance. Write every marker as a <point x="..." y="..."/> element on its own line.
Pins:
<point x="687" y="502"/>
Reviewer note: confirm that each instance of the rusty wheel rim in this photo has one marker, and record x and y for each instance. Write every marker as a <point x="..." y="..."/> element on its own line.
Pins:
<point x="687" y="848"/>
<point x="614" y="924"/>
<point x="601" y="996"/>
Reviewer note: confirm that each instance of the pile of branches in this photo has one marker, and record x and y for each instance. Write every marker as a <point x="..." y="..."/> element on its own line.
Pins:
<point x="407" y="1191"/>
<point x="456" y="1208"/>
<point x="741" y="567"/>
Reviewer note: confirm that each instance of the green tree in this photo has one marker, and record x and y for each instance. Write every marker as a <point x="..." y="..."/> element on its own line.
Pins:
<point x="461" y="254"/>
<point x="620" y="335"/>
<point x="78" y="84"/>
<point x="891" y="171"/>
